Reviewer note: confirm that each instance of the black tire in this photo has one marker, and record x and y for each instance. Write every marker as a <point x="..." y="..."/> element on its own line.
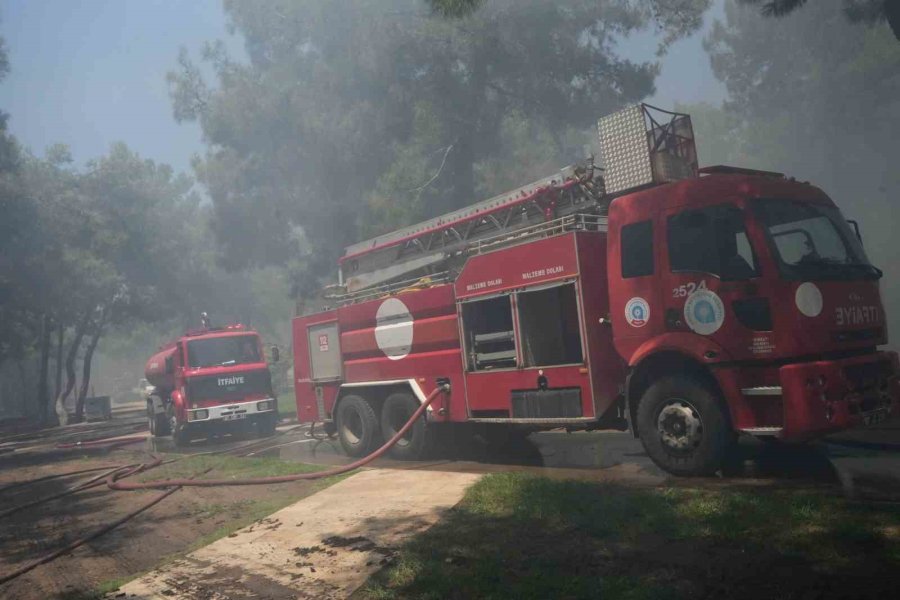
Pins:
<point x="178" y="430"/>
<point x="265" y="426"/>
<point x="357" y="426"/>
<point x="159" y="424"/>
<point x="683" y="427"/>
<point x="395" y="412"/>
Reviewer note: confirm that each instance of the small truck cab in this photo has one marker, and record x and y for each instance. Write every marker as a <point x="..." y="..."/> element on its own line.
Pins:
<point x="211" y="381"/>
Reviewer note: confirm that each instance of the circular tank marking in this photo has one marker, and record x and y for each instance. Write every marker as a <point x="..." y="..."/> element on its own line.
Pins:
<point x="394" y="329"/>
<point x="704" y="312"/>
<point x="637" y="312"/>
<point x="809" y="299"/>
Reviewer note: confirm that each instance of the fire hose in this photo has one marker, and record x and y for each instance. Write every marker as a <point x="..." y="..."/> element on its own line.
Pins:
<point x="113" y="481"/>
<point x="91" y="536"/>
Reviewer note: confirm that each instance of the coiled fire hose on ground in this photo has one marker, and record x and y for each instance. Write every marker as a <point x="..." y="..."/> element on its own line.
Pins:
<point x="173" y="485"/>
<point x="113" y="483"/>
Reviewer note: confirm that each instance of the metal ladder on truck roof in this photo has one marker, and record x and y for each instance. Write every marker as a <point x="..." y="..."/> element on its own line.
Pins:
<point x="426" y="247"/>
<point x="640" y="149"/>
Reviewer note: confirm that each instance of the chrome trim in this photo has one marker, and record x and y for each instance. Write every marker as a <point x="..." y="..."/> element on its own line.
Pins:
<point x="770" y="390"/>
<point x="217" y="413"/>
<point x="538" y="421"/>
<point x="763" y="431"/>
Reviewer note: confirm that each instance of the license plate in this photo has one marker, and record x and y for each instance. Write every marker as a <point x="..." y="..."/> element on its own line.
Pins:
<point x="876" y="416"/>
<point x="232" y="417"/>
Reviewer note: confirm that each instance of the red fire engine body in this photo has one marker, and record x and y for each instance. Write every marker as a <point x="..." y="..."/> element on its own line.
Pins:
<point x="727" y="302"/>
<point x="210" y="381"/>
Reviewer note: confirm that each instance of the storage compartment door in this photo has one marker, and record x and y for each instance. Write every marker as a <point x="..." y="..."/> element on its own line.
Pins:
<point x="324" y="352"/>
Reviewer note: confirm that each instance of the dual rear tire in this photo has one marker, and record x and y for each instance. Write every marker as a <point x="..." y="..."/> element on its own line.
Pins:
<point x="361" y="429"/>
<point x="158" y="423"/>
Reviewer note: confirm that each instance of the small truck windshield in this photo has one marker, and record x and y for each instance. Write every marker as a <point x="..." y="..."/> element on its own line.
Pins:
<point x="223" y="351"/>
<point x="813" y="242"/>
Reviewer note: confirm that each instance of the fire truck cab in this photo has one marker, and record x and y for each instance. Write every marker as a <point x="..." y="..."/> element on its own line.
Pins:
<point x="693" y="304"/>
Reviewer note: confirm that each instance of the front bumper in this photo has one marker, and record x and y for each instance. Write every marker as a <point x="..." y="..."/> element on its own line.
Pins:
<point x="826" y="396"/>
<point x="232" y="412"/>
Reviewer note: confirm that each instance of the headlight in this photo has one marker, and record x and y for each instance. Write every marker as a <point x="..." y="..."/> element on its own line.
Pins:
<point x="199" y="415"/>
<point x="264" y="405"/>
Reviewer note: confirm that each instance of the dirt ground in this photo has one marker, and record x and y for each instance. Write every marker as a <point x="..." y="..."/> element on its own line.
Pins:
<point x="179" y="523"/>
<point x="861" y="467"/>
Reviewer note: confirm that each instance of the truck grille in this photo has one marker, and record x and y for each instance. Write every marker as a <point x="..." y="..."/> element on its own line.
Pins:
<point x="868" y="375"/>
<point x="870" y="380"/>
<point x="230" y="387"/>
<point x="856" y="335"/>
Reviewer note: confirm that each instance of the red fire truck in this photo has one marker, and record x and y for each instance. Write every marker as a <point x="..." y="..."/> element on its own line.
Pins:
<point x="692" y="304"/>
<point x="211" y="381"/>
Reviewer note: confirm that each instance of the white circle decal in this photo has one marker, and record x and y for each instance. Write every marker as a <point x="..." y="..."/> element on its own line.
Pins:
<point x="809" y="299"/>
<point x="394" y="329"/>
<point x="704" y="312"/>
<point x="637" y="312"/>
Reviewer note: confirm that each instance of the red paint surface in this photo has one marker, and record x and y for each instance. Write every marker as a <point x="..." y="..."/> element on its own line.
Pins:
<point x="736" y="356"/>
<point x="170" y="384"/>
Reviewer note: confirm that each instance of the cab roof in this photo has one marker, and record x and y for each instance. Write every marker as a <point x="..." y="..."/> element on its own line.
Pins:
<point x="713" y="187"/>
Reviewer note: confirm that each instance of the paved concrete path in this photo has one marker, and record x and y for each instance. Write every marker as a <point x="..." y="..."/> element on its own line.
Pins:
<point x="324" y="546"/>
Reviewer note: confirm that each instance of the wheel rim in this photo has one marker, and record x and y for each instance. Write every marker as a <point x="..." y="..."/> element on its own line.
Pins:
<point x="173" y="424"/>
<point x="679" y="426"/>
<point x="352" y="426"/>
<point x="397" y="417"/>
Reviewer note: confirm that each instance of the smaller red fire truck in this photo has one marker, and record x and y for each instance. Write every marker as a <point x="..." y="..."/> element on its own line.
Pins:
<point x="691" y="304"/>
<point x="211" y="381"/>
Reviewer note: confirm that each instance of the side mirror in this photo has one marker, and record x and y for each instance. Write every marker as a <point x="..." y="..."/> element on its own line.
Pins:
<point x="276" y="354"/>
<point x="170" y="365"/>
<point x="855" y="229"/>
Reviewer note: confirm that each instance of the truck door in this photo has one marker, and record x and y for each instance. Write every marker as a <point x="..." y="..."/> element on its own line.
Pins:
<point x="636" y="312"/>
<point x="707" y="274"/>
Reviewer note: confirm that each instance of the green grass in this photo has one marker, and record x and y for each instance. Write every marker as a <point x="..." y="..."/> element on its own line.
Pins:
<point x="287" y="409"/>
<point x="521" y="536"/>
<point x="232" y="467"/>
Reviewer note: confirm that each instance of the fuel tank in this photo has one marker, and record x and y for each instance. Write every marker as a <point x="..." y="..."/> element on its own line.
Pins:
<point x="155" y="370"/>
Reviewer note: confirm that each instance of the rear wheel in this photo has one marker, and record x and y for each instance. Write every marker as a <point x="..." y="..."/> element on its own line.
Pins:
<point x="159" y="424"/>
<point x="683" y="427"/>
<point x="395" y="412"/>
<point x="357" y="426"/>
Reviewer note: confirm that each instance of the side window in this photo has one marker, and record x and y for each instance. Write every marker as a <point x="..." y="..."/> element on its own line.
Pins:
<point x="711" y="240"/>
<point x="637" y="249"/>
<point x="550" y="332"/>
<point x="488" y="326"/>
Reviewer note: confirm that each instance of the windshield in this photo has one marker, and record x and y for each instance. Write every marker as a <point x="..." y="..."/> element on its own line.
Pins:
<point x="223" y="351"/>
<point x="813" y="242"/>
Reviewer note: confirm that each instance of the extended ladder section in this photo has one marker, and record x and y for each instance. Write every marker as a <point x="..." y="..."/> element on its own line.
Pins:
<point x="639" y="148"/>
<point x="430" y="246"/>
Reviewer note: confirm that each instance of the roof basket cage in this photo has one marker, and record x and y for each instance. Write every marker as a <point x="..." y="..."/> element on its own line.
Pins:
<point x="642" y="145"/>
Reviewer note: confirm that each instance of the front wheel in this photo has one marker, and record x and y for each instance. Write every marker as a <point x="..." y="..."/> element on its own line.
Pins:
<point x="395" y="412"/>
<point x="266" y="425"/>
<point x="357" y="426"/>
<point x="683" y="427"/>
<point x="179" y="430"/>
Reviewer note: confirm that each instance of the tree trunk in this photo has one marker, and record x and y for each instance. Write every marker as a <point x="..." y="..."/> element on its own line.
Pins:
<point x="23" y="385"/>
<point x="80" y="330"/>
<point x="86" y="370"/>
<point x="60" y="339"/>
<point x="42" y="390"/>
